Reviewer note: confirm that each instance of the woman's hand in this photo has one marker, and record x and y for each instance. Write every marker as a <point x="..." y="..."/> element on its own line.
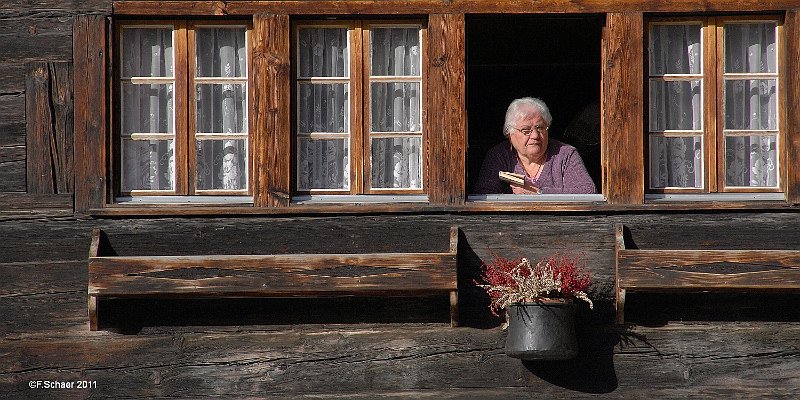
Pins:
<point x="524" y="189"/>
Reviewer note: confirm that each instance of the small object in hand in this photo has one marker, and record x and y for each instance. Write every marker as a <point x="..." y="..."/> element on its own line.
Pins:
<point x="511" y="177"/>
<point x="518" y="180"/>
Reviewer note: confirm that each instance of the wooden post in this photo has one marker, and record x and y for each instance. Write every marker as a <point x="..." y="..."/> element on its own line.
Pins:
<point x="623" y="112"/>
<point x="446" y="114"/>
<point x="791" y="71"/>
<point x="48" y="111"/>
<point x="270" y="124"/>
<point x="89" y="36"/>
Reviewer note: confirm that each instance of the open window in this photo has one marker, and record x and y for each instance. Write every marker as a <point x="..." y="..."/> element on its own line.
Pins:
<point x="714" y="112"/>
<point x="554" y="58"/>
<point x="181" y="120"/>
<point x="359" y="110"/>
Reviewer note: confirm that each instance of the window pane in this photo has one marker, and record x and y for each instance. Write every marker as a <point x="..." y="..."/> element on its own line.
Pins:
<point x="751" y="161"/>
<point x="222" y="164"/>
<point x="147" y="52"/>
<point x="396" y="52"/>
<point x="147" y="108"/>
<point x="323" y="52"/>
<point x="397" y="163"/>
<point x="675" y="49"/>
<point x="221" y="108"/>
<point x="324" y="164"/>
<point x="324" y="108"/>
<point x="221" y="52"/>
<point x="675" y="105"/>
<point x="750" y="48"/>
<point x="676" y="162"/>
<point x="147" y="165"/>
<point x="751" y="104"/>
<point x="396" y="107"/>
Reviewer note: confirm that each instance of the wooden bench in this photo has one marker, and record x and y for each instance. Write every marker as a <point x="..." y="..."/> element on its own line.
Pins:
<point x="702" y="270"/>
<point x="278" y="275"/>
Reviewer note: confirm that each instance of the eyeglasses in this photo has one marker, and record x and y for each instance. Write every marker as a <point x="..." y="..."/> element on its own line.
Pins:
<point x="538" y="128"/>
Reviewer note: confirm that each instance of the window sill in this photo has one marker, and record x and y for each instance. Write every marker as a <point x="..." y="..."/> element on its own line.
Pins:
<point x="714" y="197"/>
<point x="360" y="199"/>
<point x="184" y="200"/>
<point x="587" y="205"/>
<point x="537" y="198"/>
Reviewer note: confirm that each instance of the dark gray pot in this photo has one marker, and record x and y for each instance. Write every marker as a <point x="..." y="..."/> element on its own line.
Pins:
<point x="542" y="331"/>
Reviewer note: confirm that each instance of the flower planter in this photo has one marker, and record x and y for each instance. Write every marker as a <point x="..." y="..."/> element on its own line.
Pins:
<point x="542" y="331"/>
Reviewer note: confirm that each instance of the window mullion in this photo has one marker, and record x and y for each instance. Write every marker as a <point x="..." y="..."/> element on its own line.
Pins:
<point x="360" y="118"/>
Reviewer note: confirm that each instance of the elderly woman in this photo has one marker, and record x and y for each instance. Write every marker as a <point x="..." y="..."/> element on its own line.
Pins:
<point x="546" y="165"/>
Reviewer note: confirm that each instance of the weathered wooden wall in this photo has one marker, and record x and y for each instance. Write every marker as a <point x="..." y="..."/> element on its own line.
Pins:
<point x="687" y="346"/>
<point x="30" y="31"/>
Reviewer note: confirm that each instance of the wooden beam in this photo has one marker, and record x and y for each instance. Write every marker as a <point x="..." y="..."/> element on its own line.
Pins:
<point x="89" y="36"/>
<point x="623" y="112"/>
<point x="384" y="7"/>
<point x="446" y="114"/>
<point x="791" y="71"/>
<point x="709" y="269"/>
<point x="270" y="119"/>
<point x="48" y="113"/>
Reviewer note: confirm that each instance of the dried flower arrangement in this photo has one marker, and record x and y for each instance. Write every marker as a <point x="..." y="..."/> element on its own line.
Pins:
<point x="516" y="281"/>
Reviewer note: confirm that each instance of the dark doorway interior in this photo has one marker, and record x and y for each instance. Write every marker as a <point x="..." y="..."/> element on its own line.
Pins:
<point x="554" y="58"/>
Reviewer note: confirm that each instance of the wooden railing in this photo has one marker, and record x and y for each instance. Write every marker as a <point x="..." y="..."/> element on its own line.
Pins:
<point x="277" y="275"/>
<point x="702" y="270"/>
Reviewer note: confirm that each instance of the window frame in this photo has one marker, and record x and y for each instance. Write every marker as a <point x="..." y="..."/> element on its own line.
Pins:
<point x="185" y="116"/>
<point x="713" y="129"/>
<point x="360" y="135"/>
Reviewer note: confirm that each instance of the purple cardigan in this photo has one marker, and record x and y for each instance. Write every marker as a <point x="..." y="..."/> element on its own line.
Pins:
<point x="563" y="170"/>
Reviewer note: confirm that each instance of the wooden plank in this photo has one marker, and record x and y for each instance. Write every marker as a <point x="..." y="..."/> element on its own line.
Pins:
<point x="791" y="69"/>
<point x="11" y="202"/>
<point x="224" y="8"/>
<point x="89" y="53"/>
<point x="709" y="269"/>
<point x="270" y="123"/>
<point x="446" y="114"/>
<point x="272" y="275"/>
<point x="623" y="112"/>
<point x="49" y="126"/>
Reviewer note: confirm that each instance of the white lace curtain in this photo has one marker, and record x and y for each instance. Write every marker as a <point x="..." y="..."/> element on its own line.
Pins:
<point x="323" y="109"/>
<point x="147" y="109"/>
<point x="324" y="101"/>
<point x="221" y="130"/>
<point x="676" y="105"/>
<point x="148" y="112"/>
<point x="751" y="105"/>
<point x="395" y="107"/>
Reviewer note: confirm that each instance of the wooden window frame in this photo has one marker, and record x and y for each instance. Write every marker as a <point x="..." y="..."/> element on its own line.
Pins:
<point x="360" y="135"/>
<point x="713" y="130"/>
<point x="184" y="96"/>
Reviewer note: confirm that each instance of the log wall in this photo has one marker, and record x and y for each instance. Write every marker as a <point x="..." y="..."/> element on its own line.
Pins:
<point x="689" y="346"/>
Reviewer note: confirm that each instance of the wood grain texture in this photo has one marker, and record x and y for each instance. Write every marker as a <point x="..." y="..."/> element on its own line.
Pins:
<point x="791" y="66"/>
<point x="270" y="124"/>
<point x="91" y="123"/>
<point x="623" y="110"/>
<point x="222" y="8"/>
<point x="446" y="114"/>
<point x="709" y="269"/>
<point x="49" y="114"/>
<point x="281" y="275"/>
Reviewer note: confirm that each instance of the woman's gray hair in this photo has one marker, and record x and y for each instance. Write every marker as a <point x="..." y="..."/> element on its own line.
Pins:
<point x="514" y="112"/>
